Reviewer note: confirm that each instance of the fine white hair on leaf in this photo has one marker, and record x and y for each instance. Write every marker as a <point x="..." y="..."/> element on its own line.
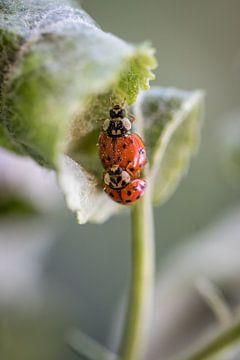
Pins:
<point x="81" y="193"/>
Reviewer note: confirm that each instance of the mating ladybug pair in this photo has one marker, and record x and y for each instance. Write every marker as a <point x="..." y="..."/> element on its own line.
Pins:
<point x="123" y="156"/>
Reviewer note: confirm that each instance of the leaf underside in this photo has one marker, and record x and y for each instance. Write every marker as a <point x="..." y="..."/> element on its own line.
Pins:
<point x="172" y="123"/>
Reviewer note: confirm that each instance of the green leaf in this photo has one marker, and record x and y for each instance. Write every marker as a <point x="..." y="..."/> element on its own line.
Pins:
<point x="171" y="119"/>
<point x="58" y="71"/>
<point x="6" y="142"/>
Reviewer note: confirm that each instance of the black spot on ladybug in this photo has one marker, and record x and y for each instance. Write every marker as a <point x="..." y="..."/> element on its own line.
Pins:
<point x="118" y="171"/>
<point x="124" y="146"/>
<point x="131" y="169"/>
<point x="128" y="201"/>
<point x="119" y="178"/>
<point x="129" y="193"/>
<point x="123" y="183"/>
<point x="138" y="197"/>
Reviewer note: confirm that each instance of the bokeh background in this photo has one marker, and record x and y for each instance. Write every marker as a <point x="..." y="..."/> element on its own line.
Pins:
<point x="55" y="274"/>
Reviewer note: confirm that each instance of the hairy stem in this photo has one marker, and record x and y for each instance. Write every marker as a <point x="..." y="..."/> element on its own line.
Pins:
<point x="141" y="289"/>
<point x="224" y="340"/>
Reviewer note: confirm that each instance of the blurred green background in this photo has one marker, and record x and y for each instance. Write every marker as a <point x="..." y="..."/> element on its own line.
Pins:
<point x="85" y="270"/>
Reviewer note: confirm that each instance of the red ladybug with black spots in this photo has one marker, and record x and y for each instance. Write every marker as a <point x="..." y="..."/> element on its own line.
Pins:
<point x="117" y="145"/>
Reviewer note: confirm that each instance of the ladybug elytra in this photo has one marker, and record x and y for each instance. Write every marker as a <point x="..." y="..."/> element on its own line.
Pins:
<point x="126" y="151"/>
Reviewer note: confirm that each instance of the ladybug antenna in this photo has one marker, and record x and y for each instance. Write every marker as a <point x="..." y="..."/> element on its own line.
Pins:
<point x="123" y="102"/>
<point x="111" y="102"/>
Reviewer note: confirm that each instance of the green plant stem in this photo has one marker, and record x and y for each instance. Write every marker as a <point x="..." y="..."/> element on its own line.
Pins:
<point x="140" y="303"/>
<point x="224" y="340"/>
<point x="135" y="336"/>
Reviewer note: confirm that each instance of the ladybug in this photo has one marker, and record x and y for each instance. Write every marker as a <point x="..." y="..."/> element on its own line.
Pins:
<point x="118" y="184"/>
<point x="118" y="146"/>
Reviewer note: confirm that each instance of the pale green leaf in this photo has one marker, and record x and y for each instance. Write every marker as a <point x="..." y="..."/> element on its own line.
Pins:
<point x="171" y="120"/>
<point x="82" y="195"/>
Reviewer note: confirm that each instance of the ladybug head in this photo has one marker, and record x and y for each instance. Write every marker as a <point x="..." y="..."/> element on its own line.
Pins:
<point x="117" y="111"/>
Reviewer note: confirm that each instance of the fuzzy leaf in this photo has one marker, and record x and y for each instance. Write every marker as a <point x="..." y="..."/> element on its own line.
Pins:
<point x="6" y="143"/>
<point x="58" y="70"/>
<point x="171" y="119"/>
<point x="82" y="194"/>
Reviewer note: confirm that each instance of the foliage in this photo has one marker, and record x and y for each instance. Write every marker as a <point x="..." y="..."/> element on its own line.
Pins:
<point x="58" y="72"/>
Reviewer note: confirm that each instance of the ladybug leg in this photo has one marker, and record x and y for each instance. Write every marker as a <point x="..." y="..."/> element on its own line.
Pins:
<point x="123" y="102"/>
<point x="132" y="171"/>
<point x="127" y="124"/>
<point x="131" y="118"/>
